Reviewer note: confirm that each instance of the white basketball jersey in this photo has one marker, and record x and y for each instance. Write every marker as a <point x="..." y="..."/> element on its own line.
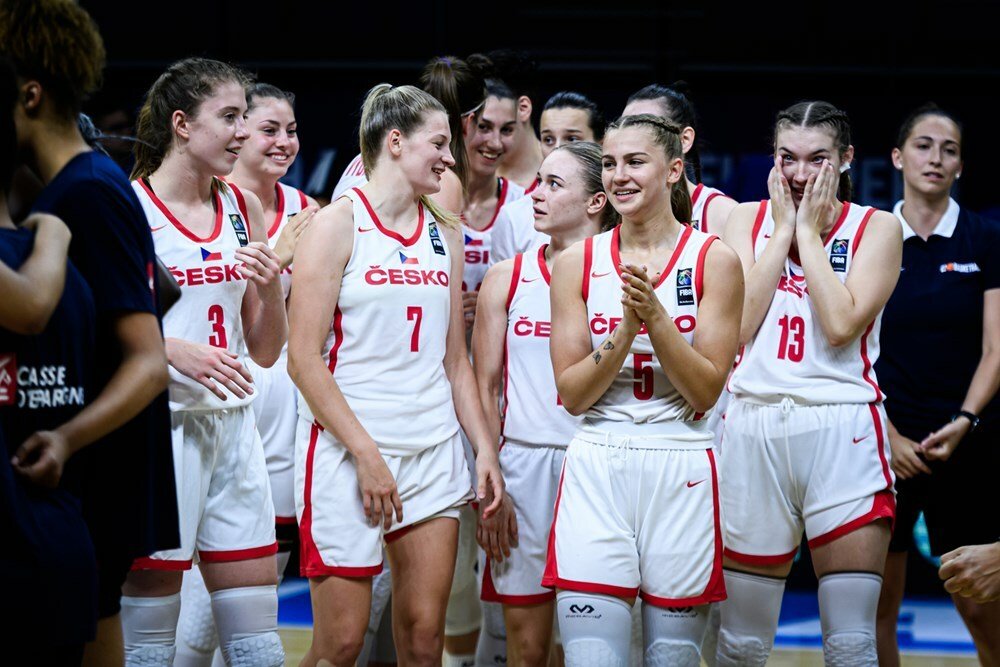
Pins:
<point x="353" y="177"/>
<point x="700" y="199"/>
<point x="533" y="413"/>
<point x="789" y="355"/>
<point x="478" y="241"/>
<point x="641" y="392"/>
<point x="514" y="231"/>
<point x="287" y="202"/>
<point x="386" y="345"/>
<point x="209" y="310"/>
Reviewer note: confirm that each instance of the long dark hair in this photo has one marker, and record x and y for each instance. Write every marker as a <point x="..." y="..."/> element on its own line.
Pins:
<point x="569" y="99"/>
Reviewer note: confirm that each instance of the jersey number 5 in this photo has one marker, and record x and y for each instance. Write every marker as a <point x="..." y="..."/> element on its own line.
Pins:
<point x="216" y="316"/>
<point x="792" y="344"/>
<point x="414" y="314"/>
<point x="642" y="386"/>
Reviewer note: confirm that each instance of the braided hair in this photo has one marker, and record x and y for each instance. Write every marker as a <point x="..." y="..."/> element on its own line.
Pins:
<point x="819" y="114"/>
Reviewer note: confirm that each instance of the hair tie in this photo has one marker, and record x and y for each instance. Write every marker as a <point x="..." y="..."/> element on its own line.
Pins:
<point x="844" y="167"/>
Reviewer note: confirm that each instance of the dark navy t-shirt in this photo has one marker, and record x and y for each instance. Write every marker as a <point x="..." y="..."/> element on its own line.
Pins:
<point x="932" y="328"/>
<point x="44" y="382"/>
<point x="126" y="480"/>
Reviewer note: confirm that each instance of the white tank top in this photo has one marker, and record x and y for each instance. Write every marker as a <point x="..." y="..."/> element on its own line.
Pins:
<point x="700" y="199"/>
<point x="478" y="241"/>
<point x="386" y="345"/>
<point x="288" y="202"/>
<point x="353" y="177"/>
<point x="789" y="355"/>
<point x="515" y="231"/>
<point x="209" y="310"/>
<point x="641" y="392"/>
<point x="533" y="413"/>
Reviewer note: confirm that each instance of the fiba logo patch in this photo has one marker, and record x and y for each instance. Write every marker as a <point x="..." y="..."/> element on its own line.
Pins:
<point x="685" y="291"/>
<point x="8" y="379"/>
<point x="838" y="255"/>
<point x="240" y="228"/>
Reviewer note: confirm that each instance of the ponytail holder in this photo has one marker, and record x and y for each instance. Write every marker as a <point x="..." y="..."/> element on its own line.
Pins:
<point x="446" y="60"/>
<point x="844" y="167"/>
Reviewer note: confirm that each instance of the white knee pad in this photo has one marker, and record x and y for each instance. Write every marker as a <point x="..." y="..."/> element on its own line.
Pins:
<point x="749" y="619"/>
<point x="847" y="605"/>
<point x="673" y="635"/>
<point x="595" y="629"/>
<point x="196" y="636"/>
<point x="247" y="619"/>
<point x="710" y="641"/>
<point x="149" y="629"/>
<point x="491" y="647"/>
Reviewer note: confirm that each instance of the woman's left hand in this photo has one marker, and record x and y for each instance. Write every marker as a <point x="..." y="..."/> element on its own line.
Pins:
<point x="489" y="485"/>
<point x="941" y="444"/>
<point x="497" y="535"/>
<point x="818" y="201"/>
<point x="259" y="264"/>
<point x="639" y="295"/>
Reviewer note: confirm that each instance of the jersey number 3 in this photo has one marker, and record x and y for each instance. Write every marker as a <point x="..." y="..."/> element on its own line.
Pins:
<point x="217" y="318"/>
<point x="792" y="344"/>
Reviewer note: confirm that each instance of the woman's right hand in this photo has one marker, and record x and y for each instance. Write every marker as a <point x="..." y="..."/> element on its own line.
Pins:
<point x="48" y="229"/>
<point x="210" y="366"/>
<point x="287" y="241"/>
<point x="906" y="459"/>
<point x="782" y="204"/>
<point x="379" y="494"/>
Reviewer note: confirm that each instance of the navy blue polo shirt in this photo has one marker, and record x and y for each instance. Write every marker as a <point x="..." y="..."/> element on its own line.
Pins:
<point x="932" y="328"/>
<point x="44" y="382"/>
<point x="126" y="480"/>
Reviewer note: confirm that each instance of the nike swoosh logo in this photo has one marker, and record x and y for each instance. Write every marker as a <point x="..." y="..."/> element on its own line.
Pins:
<point x="767" y="236"/>
<point x="595" y="274"/>
<point x="694" y="484"/>
<point x="365" y="230"/>
<point x="156" y="229"/>
<point x="857" y="440"/>
<point x="525" y="280"/>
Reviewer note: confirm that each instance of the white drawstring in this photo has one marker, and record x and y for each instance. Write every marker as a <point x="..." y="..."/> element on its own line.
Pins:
<point x="787" y="404"/>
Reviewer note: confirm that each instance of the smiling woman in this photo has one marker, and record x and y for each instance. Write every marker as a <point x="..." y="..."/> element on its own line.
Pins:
<point x="191" y="129"/>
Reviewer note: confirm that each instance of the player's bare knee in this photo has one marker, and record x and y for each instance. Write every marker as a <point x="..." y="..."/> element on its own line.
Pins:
<point x="340" y="651"/>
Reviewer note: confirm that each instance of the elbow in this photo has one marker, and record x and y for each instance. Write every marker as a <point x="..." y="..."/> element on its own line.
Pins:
<point x="572" y="404"/>
<point x="575" y="409"/>
<point x="840" y="337"/>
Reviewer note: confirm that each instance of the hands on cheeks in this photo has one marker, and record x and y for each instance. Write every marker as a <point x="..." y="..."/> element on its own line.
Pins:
<point x="818" y="201"/>
<point x="780" y="193"/>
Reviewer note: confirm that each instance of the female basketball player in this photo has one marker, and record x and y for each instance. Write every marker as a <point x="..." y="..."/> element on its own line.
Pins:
<point x="805" y="443"/>
<point x="674" y="105"/>
<point x="487" y="138"/>
<point x="265" y="158"/>
<point x="518" y="70"/>
<point x="567" y="117"/>
<point x="125" y="481"/>
<point x="213" y="237"/>
<point x="942" y="407"/>
<point x="645" y="323"/>
<point x="511" y="351"/>
<point x="378" y="453"/>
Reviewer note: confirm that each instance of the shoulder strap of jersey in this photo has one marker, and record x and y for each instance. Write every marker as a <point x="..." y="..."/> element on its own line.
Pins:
<point x="241" y="202"/>
<point x="704" y="210"/>
<point x="861" y="230"/>
<point x="588" y="261"/>
<point x="699" y="271"/>
<point x="515" y="275"/>
<point x="758" y="221"/>
<point x="303" y="200"/>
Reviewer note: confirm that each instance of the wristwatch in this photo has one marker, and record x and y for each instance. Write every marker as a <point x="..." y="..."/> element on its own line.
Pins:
<point x="973" y="419"/>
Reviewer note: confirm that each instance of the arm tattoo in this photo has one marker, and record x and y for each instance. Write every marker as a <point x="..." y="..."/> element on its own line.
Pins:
<point x="609" y="345"/>
<point x="597" y="357"/>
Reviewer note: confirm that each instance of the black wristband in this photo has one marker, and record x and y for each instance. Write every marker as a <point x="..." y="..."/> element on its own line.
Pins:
<point x="973" y="419"/>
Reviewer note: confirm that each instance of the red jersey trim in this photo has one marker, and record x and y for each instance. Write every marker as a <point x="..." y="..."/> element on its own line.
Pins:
<point x="880" y="441"/>
<point x="216" y="201"/>
<point x="861" y="231"/>
<point x="501" y="199"/>
<point x="238" y="554"/>
<point x="338" y="338"/>
<point x="697" y="193"/>
<point x="241" y="203"/>
<point x="284" y="520"/>
<point x="704" y="210"/>
<point x="279" y="210"/>
<point x="542" y="266"/>
<point x="699" y="275"/>
<point x="161" y="564"/>
<point x="588" y="262"/>
<point x="883" y="507"/>
<point x="534" y="184"/>
<point x="488" y="592"/>
<point x="837" y="225"/>
<point x="515" y="275"/>
<point x="758" y="222"/>
<point x="867" y="362"/>
<point x="749" y="559"/>
<point x="389" y="232"/>
<point x="682" y="240"/>
<point x="303" y="200"/>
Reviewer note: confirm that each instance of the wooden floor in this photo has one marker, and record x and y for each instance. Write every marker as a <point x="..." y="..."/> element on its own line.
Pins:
<point x="296" y="642"/>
